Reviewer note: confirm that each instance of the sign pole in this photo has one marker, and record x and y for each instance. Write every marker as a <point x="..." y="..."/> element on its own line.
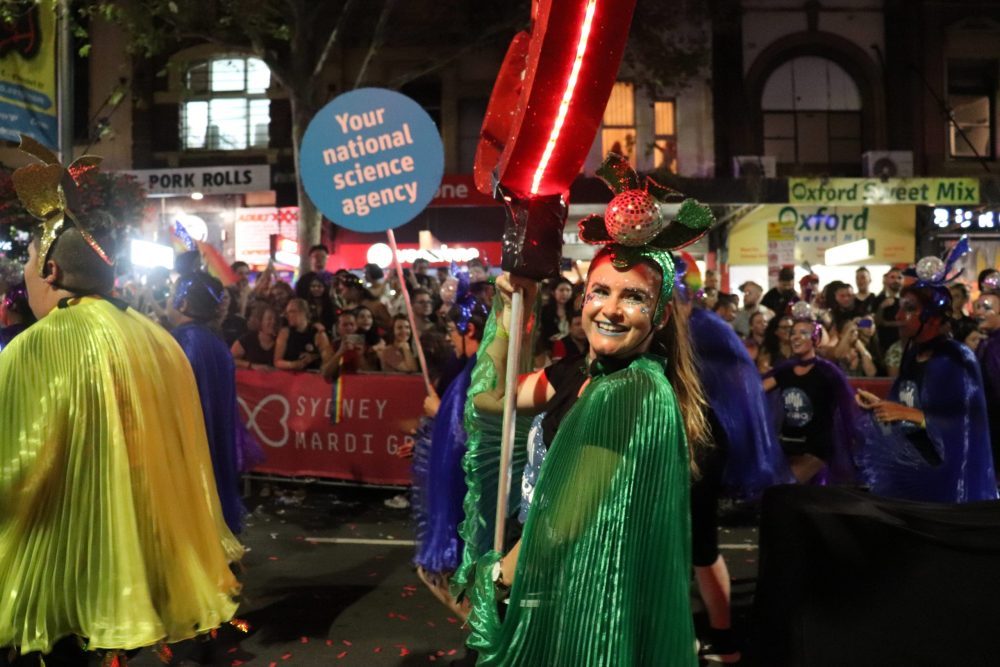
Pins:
<point x="409" y="311"/>
<point x="509" y="417"/>
<point x="64" y="83"/>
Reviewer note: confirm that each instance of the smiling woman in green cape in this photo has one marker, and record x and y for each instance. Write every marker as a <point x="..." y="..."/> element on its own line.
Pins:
<point x="601" y="574"/>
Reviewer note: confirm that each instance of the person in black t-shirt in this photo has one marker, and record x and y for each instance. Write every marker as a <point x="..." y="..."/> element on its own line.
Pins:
<point x="256" y="347"/>
<point x="811" y="391"/>
<point x="779" y="298"/>
<point x="886" y="308"/>
<point x="864" y="300"/>
<point x="301" y="346"/>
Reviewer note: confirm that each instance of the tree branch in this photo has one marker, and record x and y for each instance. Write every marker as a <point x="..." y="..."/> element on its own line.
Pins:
<point x="324" y="55"/>
<point x="378" y="39"/>
<point x="434" y="65"/>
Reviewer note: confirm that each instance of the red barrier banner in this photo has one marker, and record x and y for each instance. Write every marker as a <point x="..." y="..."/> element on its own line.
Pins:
<point x="878" y="386"/>
<point x="292" y="416"/>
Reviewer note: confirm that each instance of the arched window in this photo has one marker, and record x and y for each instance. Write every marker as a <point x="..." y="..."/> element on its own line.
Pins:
<point x="811" y="111"/>
<point x="226" y="106"/>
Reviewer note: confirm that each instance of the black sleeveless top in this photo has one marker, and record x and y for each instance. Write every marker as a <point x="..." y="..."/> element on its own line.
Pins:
<point x="300" y="343"/>
<point x="254" y="352"/>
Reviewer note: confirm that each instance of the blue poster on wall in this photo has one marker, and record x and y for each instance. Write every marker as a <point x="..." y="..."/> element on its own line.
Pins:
<point x="28" y="73"/>
<point x="371" y="160"/>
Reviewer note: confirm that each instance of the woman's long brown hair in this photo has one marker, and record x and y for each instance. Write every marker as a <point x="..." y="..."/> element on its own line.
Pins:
<point x="674" y="343"/>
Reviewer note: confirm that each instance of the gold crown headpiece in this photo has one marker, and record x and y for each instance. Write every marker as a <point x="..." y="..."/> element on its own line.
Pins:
<point x="49" y="192"/>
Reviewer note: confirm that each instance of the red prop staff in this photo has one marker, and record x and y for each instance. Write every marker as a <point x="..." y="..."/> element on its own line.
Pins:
<point x="546" y="107"/>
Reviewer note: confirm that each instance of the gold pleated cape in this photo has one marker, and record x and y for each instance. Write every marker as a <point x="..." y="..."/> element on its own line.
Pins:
<point x="110" y="525"/>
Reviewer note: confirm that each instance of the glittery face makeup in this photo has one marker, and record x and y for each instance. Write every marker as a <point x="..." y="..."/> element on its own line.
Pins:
<point x="987" y="312"/>
<point x="618" y="307"/>
<point x="801" y="339"/>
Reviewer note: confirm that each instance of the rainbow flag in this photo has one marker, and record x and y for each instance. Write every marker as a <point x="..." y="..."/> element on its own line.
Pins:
<point x="180" y="239"/>
<point x="338" y="391"/>
<point x="216" y="264"/>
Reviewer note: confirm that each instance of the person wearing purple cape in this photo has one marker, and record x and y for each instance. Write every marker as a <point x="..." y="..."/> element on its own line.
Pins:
<point x="930" y="441"/>
<point x="987" y="315"/>
<point x="15" y="314"/>
<point x="438" y="479"/>
<point x="196" y="301"/>
<point x="818" y="414"/>
<point x="745" y="460"/>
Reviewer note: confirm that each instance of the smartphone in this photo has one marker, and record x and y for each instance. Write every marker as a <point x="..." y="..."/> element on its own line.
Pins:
<point x="355" y="340"/>
<point x="865" y="323"/>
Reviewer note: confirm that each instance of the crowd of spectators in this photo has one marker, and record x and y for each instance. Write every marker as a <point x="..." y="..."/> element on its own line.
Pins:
<point x="328" y="322"/>
<point x="342" y="322"/>
<point x="860" y="331"/>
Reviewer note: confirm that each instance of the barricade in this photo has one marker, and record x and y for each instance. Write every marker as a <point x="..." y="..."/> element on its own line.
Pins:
<point x="878" y="386"/>
<point x="350" y="430"/>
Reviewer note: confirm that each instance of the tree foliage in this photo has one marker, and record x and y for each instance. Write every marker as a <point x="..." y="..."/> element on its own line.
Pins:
<point x="299" y="39"/>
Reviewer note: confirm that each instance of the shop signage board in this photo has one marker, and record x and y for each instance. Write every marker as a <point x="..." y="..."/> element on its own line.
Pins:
<point x="371" y="160"/>
<point x="28" y="75"/>
<point x="817" y="228"/>
<point x="858" y="191"/>
<point x="349" y="430"/>
<point x="253" y="227"/>
<point x="967" y="221"/>
<point x="224" y="180"/>
<point x="460" y="190"/>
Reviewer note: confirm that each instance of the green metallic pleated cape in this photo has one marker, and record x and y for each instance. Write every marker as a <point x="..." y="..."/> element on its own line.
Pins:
<point x="604" y="569"/>
<point x="481" y="464"/>
<point x="110" y="523"/>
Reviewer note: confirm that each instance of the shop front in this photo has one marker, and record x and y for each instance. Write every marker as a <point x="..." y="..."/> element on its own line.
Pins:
<point x="459" y="224"/>
<point x="939" y="227"/>
<point x="210" y="202"/>
<point x="831" y="226"/>
<point x="773" y="235"/>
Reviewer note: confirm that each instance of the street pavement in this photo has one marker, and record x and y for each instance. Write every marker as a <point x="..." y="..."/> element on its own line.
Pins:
<point x="328" y="581"/>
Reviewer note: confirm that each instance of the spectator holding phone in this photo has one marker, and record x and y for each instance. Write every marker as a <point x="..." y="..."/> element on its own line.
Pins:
<point x="886" y="308"/>
<point x="349" y="353"/>
<point x="397" y="356"/>
<point x="852" y="354"/>
<point x="302" y="345"/>
<point x="779" y="298"/>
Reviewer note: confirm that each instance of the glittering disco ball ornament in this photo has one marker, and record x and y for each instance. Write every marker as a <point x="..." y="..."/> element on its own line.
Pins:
<point x="633" y="218"/>
<point x="929" y="268"/>
<point x="448" y="289"/>
<point x="801" y="310"/>
<point x="991" y="283"/>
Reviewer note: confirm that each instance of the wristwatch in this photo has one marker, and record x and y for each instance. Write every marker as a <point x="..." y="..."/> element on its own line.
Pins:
<point x="502" y="589"/>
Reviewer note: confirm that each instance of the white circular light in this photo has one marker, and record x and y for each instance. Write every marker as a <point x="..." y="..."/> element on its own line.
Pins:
<point x="195" y="226"/>
<point x="380" y="254"/>
<point x="197" y="196"/>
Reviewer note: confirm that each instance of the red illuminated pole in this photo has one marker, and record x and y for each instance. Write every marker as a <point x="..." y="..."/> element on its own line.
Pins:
<point x="533" y="162"/>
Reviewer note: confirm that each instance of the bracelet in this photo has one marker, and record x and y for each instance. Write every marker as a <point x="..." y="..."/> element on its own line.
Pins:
<point x="502" y="330"/>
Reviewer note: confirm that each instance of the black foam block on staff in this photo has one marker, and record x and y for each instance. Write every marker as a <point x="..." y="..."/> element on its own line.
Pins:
<point x="532" y="236"/>
<point x="847" y="578"/>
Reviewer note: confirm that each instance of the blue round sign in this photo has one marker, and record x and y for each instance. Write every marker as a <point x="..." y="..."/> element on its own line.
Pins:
<point x="371" y="160"/>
